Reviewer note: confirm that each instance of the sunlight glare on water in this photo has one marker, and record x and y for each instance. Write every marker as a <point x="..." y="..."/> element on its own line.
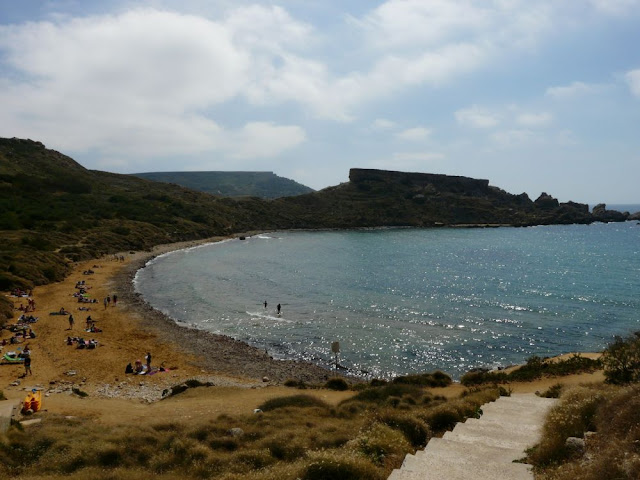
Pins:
<point x="410" y="300"/>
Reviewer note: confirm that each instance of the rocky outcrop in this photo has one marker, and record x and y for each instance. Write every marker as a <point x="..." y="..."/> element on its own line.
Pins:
<point x="546" y="202"/>
<point x="601" y="214"/>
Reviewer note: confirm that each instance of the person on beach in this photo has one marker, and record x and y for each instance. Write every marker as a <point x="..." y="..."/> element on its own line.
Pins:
<point x="71" y="322"/>
<point x="278" y="308"/>
<point x="26" y="354"/>
<point x="108" y="300"/>
<point x="148" y="359"/>
<point x="105" y="303"/>
<point x="115" y="300"/>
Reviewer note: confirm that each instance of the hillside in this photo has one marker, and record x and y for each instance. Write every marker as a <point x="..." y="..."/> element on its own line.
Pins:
<point x="232" y="184"/>
<point x="53" y="211"/>
<point x="377" y="197"/>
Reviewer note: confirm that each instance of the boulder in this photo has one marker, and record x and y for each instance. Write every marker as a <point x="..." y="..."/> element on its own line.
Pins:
<point x="575" y="444"/>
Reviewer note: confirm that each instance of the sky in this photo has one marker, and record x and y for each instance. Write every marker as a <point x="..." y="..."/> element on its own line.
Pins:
<point x="533" y="95"/>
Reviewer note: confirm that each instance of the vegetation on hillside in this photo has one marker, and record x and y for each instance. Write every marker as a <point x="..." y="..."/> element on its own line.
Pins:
<point x="232" y="184"/>
<point x="594" y="431"/>
<point x="534" y="369"/>
<point x="53" y="211"/>
<point x="364" y="437"/>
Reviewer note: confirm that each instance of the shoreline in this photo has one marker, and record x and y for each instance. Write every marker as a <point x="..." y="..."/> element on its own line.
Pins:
<point x="215" y="353"/>
<point x="222" y="353"/>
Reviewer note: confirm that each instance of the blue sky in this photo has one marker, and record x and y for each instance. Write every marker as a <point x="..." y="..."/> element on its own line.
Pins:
<point x="537" y="95"/>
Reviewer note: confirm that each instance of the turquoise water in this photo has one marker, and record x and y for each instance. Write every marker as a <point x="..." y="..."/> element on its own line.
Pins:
<point x="410" y="300"/>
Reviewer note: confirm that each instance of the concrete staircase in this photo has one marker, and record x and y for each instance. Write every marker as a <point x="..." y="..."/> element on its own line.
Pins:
<point x="484" y="448"/>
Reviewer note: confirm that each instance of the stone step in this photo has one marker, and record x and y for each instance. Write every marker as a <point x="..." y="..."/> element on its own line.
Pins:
<point x="505" y="440"/>
<point x="484" y="448"/>
<point x="512" y="417"/>
<point x="452" y="449"/>
<point x="429" y="468"/>
<point x="499" y="428"/>
<point x="525" y="411"/>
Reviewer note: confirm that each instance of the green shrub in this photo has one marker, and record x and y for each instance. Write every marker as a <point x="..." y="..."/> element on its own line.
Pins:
<point x="621" y="360"/>
<point x="442" y="417"/>
<point x="415" y="430"/>
<point x="299" y="401"/>
<point x="337" y="383"/>
<point x="292" y="383"/>
<point x="377" y="382"/>
<point x="572" y="417"/>
<point x="436" y="379"/>
<point x="340" y="467"/>
<point x="381" y="394"/>
<point x="553" y="391"/>
<point x="381" y="443"/>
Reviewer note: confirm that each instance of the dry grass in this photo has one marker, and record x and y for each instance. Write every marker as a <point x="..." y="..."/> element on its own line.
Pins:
<point x="608" y="418"/>
<point x="294" y="438"/>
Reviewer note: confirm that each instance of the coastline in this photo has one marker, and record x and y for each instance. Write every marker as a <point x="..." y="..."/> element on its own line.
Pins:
<point x="215" y="353"/>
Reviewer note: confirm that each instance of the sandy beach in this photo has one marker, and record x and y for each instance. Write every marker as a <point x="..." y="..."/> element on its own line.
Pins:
<point x="243" y="376"/>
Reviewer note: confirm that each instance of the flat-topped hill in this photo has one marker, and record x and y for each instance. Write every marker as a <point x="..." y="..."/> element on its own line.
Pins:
<point x="232" y="184"/>
<point x="379" y="197"/>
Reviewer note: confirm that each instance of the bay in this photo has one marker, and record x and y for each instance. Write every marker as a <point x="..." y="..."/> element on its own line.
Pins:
<point x="403" y="301"/>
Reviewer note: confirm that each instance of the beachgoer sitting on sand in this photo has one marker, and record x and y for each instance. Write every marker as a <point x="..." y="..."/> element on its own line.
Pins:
<point x="69" y="341"/>
<point x="128" y="368"/>
<point x="138" y="367"/>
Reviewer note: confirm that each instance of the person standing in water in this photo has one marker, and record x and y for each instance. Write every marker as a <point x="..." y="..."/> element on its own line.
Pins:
<point x="278" y="309"/>
<point x="265" y="304"/>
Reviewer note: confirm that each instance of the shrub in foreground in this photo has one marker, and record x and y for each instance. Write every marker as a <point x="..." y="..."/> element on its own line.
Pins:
<point x="436" y="379"/>
<point x="380" y="395"/>
<point x="572" y="417"/>
<point x="333" y="466"/>
<point x="337" y="383"/>
<point x="300" y="401"/>
<point x="621" y="360"/>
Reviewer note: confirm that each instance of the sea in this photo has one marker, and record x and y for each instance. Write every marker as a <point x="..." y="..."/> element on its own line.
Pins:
<point x="406" y="300"/>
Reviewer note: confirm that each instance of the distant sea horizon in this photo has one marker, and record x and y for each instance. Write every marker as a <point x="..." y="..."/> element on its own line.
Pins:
<point x="404" y="301"/>
<point x="620" y="207"/>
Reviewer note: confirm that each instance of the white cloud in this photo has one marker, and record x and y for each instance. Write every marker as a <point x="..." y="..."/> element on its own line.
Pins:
<point x="616" y="7"/>
<point x="264" y="140"/>
<point x="414" y="134"/>
<point x="534" y="119"/>
<point x="513" y="138"/>
<point x="417" y="24"/>
<point x="575" y="89"/>
<point x="382" y="124"/>
<point x="139" y="84"/>
<point x="477" y="117"/>
<point x="633" y="80"/>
